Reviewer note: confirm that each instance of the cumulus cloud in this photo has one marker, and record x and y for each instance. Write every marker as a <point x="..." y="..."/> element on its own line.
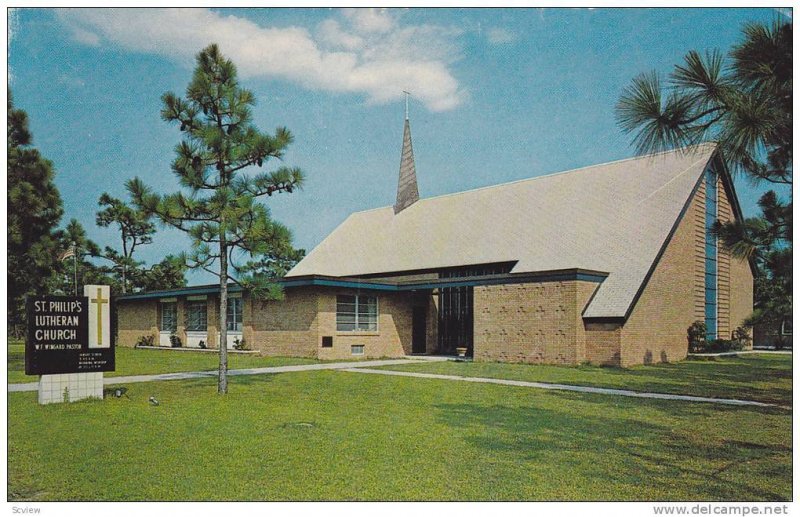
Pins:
<point x="361" y="51"/>
<point x="500" y="36"/>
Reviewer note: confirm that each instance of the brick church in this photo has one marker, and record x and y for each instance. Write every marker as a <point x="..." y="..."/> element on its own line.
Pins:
<point x="607" y="264"/>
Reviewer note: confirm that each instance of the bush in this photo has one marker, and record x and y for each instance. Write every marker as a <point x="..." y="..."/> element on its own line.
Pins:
<point x="696" y="334"/>
<point x="239" y="344"/>
<point x="175" y="341"/>
<point x="741" y="337"/>
<point x="202" y="344"/>
<point x="716" y="346"/>
<point x="145" y="341"/>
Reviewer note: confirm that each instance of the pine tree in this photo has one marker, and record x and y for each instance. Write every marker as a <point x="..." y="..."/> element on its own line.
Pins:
<point x="136" y="229"/>
<point x="744" y="103"/>
<point x="221" y="212"/>
<point x="34" y="210"/>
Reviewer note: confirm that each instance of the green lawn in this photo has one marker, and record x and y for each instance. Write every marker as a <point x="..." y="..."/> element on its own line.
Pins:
<point x="130" y="361"/>
<point x="761" y="377"/>
<point x="329" y="435"/>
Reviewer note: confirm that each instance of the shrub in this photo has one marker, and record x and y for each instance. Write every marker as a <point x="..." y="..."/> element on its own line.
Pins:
<point x="239" y="344"/>
<point x="175" y="341"/>
<point x="696" y="334"/>
<point x="202" y="344"/>
<point x="741" y="337"/>
<point x="716" y="346"/>
<point x="145" y="341"/>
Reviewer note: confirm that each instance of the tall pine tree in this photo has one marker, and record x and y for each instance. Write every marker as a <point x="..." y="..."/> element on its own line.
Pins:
<point x="221" y="212"/>
<point x="34" y="210"/>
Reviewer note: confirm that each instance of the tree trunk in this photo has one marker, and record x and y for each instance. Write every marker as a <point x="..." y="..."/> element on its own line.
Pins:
<point x="222" y="386"/>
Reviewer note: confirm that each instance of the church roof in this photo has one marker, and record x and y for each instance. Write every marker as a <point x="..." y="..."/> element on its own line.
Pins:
<point x="613" y="217"/>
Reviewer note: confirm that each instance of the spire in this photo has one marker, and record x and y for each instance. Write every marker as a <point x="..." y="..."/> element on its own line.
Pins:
<point x="407" y="191"/>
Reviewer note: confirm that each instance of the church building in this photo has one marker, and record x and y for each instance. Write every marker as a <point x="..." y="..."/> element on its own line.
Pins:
<point x="607" y="264"/>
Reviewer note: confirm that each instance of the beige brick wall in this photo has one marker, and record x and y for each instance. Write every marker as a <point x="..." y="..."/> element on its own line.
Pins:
<point x="135" y="319"/>
<point x="735" y="280"/>
<point x="392" y="339"/>
<point x="656" y="328"/>
<point x="724" y="213"/>
<point x="603" y="343"/>
<point x="674" y="296"/>
<point x="287" y="327"/>
<point x="532" y="322"/>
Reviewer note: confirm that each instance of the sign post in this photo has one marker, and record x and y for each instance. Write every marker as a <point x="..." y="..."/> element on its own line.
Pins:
<point x="70" y="344"/>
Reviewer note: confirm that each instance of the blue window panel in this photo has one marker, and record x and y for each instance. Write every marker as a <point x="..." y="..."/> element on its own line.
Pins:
<point x="711" y="266"/>
<point x="711" y="329"/>
<point x="711" y="255"/>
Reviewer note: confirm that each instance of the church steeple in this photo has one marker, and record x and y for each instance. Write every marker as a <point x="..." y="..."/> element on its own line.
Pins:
<point x="407" y="191"/>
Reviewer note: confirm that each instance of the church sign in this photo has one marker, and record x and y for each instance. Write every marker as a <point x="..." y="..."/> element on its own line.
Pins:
<point x="69" y="334"/>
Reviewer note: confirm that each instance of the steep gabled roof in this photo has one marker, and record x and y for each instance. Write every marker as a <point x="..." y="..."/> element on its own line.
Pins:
<point x="613" y="217"/>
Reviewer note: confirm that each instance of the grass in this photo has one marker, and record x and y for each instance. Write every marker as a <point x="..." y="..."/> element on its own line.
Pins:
<point x="329" y="435"/>
<point x="761" y="377"/>
<point x="130" y="361"/>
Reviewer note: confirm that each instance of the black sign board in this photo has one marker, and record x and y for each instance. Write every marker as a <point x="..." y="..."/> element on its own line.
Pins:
<point x="58" y="338"/>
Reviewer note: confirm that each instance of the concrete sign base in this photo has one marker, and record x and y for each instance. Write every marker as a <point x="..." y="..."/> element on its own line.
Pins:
<point x="70" y="387"/>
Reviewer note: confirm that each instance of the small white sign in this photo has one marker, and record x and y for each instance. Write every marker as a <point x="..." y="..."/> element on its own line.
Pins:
<point x="99" y="315"/>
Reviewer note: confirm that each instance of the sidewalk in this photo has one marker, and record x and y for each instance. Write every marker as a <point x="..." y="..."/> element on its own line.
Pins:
<point x="743" y="352"/>
<point x="34" y="386"/>
<point x="564" y="387"/>
<point x="367" y="367"/>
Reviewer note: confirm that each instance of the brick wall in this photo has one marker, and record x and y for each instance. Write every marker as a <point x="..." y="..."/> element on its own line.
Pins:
<point x="603" y="343"/>
<point x="735" y="280"/>
<point x="674" y="296"/>
<point x="656" y="328"/>
<point x="393" y="338"/>
<point x="532" y="322"/>
<point x="136" y="319"/>
<point x="288" y="327"/>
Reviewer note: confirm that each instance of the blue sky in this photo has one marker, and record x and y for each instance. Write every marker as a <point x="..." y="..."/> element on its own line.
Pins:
<point x="498" y="95"/>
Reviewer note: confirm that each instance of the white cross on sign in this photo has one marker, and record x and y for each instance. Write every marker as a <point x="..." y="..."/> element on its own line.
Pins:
<point x="99" y="315"/>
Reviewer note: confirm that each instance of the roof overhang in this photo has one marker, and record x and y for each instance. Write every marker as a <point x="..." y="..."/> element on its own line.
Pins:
<point x="562" y="275"/>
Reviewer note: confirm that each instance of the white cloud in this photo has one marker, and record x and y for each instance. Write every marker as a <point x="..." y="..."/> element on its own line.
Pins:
<point x="363" y="51"/>
<point x="370" y="20"/>
<point x="500" y="36"/>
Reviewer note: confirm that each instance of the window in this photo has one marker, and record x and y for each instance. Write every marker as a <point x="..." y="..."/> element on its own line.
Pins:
<point x="356" y="312"/>
<point x="169" y="316"/>
<point x="327" y="341"/>
<point x="356" y="349"/>
<point x="197" y="316"/>
<point x="711" y="255"/>
<point x="786" y="328"/>
<point x="234" y="318"/>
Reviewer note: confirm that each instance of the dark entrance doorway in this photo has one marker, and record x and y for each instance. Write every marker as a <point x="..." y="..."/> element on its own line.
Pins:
<point x="419" y="329"/>
<point x="455" y="319"/>
<point x="456" y="314"/>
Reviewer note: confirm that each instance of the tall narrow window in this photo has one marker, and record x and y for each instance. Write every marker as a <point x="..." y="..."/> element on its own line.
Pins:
<point x="356" y="312"/>
<point x="234" y="314"/>
<point x="169" y="316"/>
<point x="197" y="316"/>
<point x="711" y="255"/>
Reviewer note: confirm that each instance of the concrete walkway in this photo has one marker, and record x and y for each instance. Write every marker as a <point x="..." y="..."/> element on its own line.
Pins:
<point x="564" y="387"/>
<point x="366" y="367"/>
<point x="34" y="386"/>
<point x="743" y="352"/>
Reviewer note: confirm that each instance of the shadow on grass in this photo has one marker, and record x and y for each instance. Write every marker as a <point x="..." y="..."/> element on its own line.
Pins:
<point x="638" y="452"/>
